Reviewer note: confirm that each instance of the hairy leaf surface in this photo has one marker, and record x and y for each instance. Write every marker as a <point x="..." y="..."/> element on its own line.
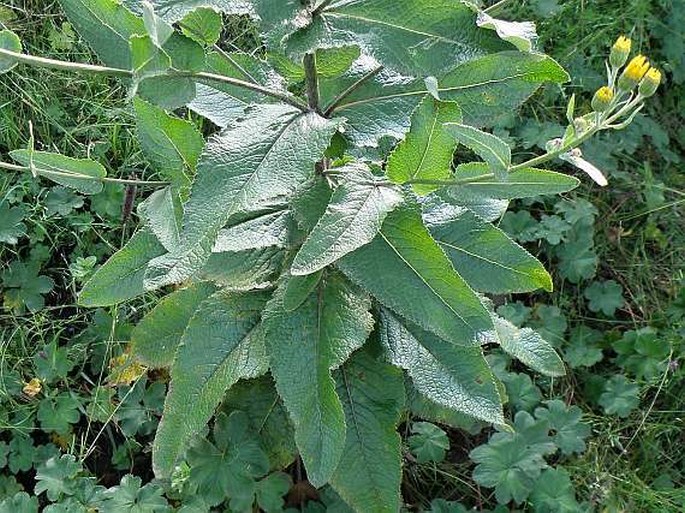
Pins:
<point x="305" y="345"/>
<point x="264" y="156"/>
<point x="405" y="257"/>
<point x="455" y="377"/>
<point x="222" y="343"/>
<point x="352" y="219"/>
<point x="370" y="470"/>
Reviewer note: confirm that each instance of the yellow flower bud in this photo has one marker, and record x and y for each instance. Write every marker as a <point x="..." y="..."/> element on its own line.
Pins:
<point x="33" y="387"/>
<point x="650" y="83"/>
<point x="633" y="73"/>
<point x="602" y="99"/>
<point x="620" y="51"/>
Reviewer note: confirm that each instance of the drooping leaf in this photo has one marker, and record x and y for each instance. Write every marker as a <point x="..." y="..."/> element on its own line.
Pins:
<point x="11" y="42"/>
<point x="156" y="337"/>
<point x="523" y="183"/>
<point x="161" y="211"/>
<point x="264" y="231"/>
<point x="489" y="147"/>
<point x="426" y="153"/>
<point x="352" y="219"/>
<point x="521" y="34"/>
<point x="529" y="347"/>
<point x="487" y="258"/>
<point x="305" y="345"/>
<point x="121" y="277"/>
<point x="64" y="170"/>
<point x="452" y="376"/>
<point x="222" y="343"/>
<point x="171" y="144"/>
<point x="403" y="257"/>
<point x="370" y="470"/>
<point x="264" y="156"/>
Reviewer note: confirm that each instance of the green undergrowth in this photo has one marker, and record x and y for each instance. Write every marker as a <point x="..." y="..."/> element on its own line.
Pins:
<point x="607" y="437"/>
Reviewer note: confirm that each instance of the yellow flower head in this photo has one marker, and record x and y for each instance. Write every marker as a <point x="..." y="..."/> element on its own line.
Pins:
<point x="602" y="99"/>
<point x="633" y="72"/>
<point x="620" y="51"/>
<point x="650" y="82"/>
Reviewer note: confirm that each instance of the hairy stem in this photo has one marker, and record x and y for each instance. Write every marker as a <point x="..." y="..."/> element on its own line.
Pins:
<point x="312" y="81"/>
<point x="79" y="176"/>
<point x="117" y="72"/>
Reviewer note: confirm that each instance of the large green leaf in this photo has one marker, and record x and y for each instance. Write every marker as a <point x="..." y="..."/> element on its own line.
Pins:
<point x="264" y="156"/>
<point x="223" y="103"/>
<point x="529" y="347"/>
<point x="244" y="270"/>
<point x="107" y="26"/>
<point x="174" y="10"/>
<point x="172" y="145"/>
<point x="485" y="88"/>
<point x="121" y="277"/>
<point x="370" y="470"/>
<point x="305" y="345"/>
<point x="156" y="337"/>
<point x="64" y="170"/>
<point x="405" y="269"/>
<point x="415" y="37"/>
<point x="352" y="219"/>
<point x="523" y="183"/>
<point x="487" y="258"/>
<point x="455" y="377"/>
<point x="223" y="342"/>
<point x="427" y="151"/>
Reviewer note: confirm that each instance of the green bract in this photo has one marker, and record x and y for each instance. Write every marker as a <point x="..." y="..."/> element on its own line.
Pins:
<point x="323" y="238"/>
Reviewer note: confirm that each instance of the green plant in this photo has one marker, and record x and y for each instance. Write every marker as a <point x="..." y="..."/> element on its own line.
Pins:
<point x="298" y="227"/>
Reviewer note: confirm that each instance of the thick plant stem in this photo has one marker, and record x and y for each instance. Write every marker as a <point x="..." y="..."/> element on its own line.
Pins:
<point x="78" y="176"/>
<point x="43" y="62"/>
<point x="312" y="81"/>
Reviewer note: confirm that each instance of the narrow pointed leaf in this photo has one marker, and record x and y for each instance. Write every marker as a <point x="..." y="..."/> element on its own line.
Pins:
<point x="426" y="153"/>
<point x="156" y="337"/>
<point x="490" y="148"/>
<point x="487" y="258"/>
<point x="352" y="219"/>
<point x="265" y="156"/>
<point x="455" y="377"/>
<point x="523" y="183"/>
<point x="305" y="345"/>
<point x="222" y="343"/>
<point x="121" y="277"/>
<point x="162" y="213"/>
<point x="404" y="257"/>
<point x="64" y="170"/>
<point x="370" y="471"/>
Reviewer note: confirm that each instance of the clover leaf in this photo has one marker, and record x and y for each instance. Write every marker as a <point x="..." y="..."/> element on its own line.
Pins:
<point x="605" y="297"/>
<point x="428" y="442"/>
<point x="642" y="352"/>
<point x="620" y="396"/>
<point x="11" y="226"/>
<point x="568" y="430"/>
<point x="24" y="287"/>
<point x="55" y="476"/>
